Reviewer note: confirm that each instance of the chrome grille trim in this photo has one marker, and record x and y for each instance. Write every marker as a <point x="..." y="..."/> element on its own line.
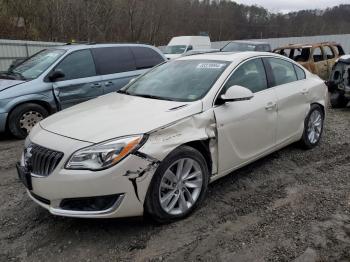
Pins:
<point x="41" y="161"/>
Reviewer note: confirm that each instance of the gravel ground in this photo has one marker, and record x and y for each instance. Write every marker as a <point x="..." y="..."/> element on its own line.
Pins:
<point x="293" y="205"/>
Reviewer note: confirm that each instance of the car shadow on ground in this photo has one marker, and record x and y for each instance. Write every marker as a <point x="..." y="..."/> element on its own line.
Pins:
<point x="7" y="137"/>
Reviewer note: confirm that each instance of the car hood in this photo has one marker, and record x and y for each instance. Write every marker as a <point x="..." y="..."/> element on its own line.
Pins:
<point x="6" y="83"/>
<point x="116" y="115"/>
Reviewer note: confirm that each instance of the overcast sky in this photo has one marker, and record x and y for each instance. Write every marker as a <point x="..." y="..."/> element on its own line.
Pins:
<point x="293" y="5"/>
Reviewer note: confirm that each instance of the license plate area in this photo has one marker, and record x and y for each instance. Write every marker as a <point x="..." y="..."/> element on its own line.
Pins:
<point x="24" y="176"/>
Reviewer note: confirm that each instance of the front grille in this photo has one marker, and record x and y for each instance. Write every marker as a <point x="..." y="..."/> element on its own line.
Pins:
<point x="41" y="161"/>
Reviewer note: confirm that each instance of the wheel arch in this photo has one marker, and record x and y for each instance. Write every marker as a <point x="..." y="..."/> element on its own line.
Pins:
<point x="42" y="103"/>
<point x="203" y="147"/>
<point x="320" y="105"/>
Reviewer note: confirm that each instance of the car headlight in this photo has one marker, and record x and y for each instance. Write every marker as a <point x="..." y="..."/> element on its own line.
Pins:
<point x="104" y="155"/>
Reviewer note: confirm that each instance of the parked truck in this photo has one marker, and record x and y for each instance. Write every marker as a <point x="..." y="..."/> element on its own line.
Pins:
<point x="182" y="44"/>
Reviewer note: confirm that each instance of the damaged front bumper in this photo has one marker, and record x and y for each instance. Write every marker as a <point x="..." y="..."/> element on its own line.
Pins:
<point x="115" y="192"/>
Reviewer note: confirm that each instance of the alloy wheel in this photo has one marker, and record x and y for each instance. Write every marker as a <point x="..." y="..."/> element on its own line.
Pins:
<point x="180" y="186"/>
<point x="315" y="125"/>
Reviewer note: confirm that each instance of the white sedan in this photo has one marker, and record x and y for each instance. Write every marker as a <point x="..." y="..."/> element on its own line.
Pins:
<point x="154" y="146"/>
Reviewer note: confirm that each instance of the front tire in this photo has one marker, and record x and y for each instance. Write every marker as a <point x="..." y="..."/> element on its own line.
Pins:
<point x="179" y="185"/>
<point x="313" y="127"/>
<point x="23" y="118"/>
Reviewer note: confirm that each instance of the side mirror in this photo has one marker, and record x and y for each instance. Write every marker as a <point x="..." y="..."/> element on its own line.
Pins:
<point x="189" y="48"/>
<point x="54" y="75"/>
<point x="237" y="93"/>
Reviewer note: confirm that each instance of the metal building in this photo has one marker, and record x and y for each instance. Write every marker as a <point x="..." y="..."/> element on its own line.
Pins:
<point x="14" y="49"/>
<point x="344" y="40"/>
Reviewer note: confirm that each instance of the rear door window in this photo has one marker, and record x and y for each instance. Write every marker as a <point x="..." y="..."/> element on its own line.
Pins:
<point x="282" y="71"/>
<point x="300" y="72"/>
<point x="112" y="60"/>
<point x="318" y="55"/>
<point x="79" y="64"/>
<point x="146" y="57"/>
<point x="340" y="50"/>
<point x="328" y="52"/>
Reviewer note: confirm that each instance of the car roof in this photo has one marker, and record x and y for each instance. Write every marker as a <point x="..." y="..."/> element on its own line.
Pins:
<point x="227" y="56"/>
<point x="293" y="46"/>
<point x="250" y="42"/>
<point x="91" y="46"/>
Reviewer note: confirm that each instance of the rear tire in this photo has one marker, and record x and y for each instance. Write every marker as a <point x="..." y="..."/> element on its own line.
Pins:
<point x="173" y="194"/>
<point x="338" y="100"/>
<point x="23" y="118"/>
<point x="313" y="127"/>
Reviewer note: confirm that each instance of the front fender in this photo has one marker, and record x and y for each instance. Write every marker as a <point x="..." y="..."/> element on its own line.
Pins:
<point x="198" y="127"/>
<point x="46" y="98"/>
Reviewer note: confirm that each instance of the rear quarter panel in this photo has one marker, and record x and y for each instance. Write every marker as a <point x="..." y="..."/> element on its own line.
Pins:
<point x="318" y="91"/>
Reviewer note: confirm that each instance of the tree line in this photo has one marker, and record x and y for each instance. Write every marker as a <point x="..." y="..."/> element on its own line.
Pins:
<point x="156" y="21"/>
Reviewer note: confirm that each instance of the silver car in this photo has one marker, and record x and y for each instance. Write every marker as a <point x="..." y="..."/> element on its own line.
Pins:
<point x="60" y="77"/>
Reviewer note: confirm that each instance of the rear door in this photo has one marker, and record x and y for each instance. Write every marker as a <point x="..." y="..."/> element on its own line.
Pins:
<point x="331" y="56"/>
<point x="291" y="89"/>
<point x="320" y="62"/>
<point x="80" y="82"/>
<point x="116" y="65"/>
<point x="145" y="58"/>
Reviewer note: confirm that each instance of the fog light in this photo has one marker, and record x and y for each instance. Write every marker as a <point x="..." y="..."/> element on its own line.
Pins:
<point x="98" y="203"/>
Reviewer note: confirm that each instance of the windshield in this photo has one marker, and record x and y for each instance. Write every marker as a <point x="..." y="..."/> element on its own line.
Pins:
<point x="37" y="64"/>
<point x="175" y="49"/>
<point x="180" y="80"/>
<point x="238" y="47"/>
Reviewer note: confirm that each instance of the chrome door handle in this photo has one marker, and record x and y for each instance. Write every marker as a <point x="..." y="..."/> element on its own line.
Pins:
<point x="270" y="106"/>
<point x="96" y="85"/>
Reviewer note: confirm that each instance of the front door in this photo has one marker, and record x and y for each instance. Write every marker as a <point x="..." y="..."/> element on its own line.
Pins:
<point x="80" y="82"/>
<point x="246" y="129"/>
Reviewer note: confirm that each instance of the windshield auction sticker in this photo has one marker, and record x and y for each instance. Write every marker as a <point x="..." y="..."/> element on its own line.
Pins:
<point x="210" y="66"/>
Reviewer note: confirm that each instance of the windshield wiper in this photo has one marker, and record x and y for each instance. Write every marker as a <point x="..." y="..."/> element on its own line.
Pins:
<point x="144" y="95"/>
<point x="123" y="92"/>
<point x="153" y="97"/>
<point x="4" y="75"/>
<point x="17" y="74"/>
<point x="13" y="75"/>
